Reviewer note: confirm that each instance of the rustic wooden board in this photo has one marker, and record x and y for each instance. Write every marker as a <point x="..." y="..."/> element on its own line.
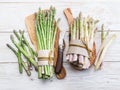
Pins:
<point x="58" y="1"/>
<point x="8" y="56"/>
<point x="12" y="15"/>
<point x="105" y="79"/>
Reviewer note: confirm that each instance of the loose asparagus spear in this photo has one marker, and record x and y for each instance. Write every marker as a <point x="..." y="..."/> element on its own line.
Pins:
<point x="102" y="34"/>
<point x="24" y="52"/>
<point x="20" y="61"/>
<point x="21" y="39"/>
<point x="26" y="69"/>
<point x="28" y="47"/>
<point x="102" y="51"/>
<point x="32" y="52"/>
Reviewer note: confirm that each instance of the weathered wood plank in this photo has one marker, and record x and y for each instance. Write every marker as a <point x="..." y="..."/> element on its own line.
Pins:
<point x="13" y="14"/>
<point x="58" y="1"/>
<point x="107" y="78"/>
<point x="6" y="55"/>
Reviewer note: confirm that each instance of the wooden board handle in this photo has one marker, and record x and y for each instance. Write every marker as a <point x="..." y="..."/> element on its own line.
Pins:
<point x="69" y="15"/>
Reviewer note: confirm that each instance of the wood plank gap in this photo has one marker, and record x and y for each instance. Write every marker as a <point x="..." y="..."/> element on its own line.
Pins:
<point x="65" y="62"/>
<point x="105" y="31"/>
<point x="9" y="31"/>
<point x="79" y="2"/>
<point x="66" y="31"/>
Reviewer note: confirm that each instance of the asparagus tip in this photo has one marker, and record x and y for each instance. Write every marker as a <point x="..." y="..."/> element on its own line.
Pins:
<point x="21" y="31"/>
<point x="12" y="38"/>
<point x="7" y="45"/>
<point x="96" y="21"/>
<point x="14" y="31"/>
<point x="80" y="14"/>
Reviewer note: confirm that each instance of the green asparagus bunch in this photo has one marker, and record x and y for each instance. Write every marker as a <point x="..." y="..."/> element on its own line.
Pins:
<point x="23" y="48"/>
<point x="46" y="30"/>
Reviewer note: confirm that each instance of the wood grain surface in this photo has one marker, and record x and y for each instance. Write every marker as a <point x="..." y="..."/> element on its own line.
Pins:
<point x="12" y="16"/>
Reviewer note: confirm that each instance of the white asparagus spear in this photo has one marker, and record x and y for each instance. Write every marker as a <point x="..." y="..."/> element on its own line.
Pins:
<point x="87" y="63"/>
<point x="67" y="57"/>
<point x="74" y="57"/>
<point x="102" y="51"/>
<point x="70" y="57"/>
<point x="84" y="64"/>
<point x="81" y="59"/>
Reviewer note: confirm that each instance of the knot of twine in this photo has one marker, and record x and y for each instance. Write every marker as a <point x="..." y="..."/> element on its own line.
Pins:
<point x="79" y="47"/>
<point x="48" y="58"/>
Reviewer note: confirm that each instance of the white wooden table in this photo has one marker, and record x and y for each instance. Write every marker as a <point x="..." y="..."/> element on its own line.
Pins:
<point x="12" y="15"/>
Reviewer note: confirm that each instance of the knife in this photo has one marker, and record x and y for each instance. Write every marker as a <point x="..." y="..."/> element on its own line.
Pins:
<point x="59" y="63"/>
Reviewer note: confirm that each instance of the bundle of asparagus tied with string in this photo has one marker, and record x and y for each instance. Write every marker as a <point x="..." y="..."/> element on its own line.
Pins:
<point x="23" y="48"/>
<point x="82" y="48"/>
<point x="46" y="30"/>
<point x="81" y="52"/>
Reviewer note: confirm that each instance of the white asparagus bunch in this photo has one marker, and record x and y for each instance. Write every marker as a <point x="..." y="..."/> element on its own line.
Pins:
<point x="83" y="29"/>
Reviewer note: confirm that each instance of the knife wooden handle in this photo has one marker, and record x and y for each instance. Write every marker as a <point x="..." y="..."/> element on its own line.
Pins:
<point x="59" y="63"/>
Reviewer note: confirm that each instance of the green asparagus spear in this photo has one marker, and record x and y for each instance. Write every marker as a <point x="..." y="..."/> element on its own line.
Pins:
<point x="20" y="38"/>
<point x="20" y="61"/>
<point x="24" y="53"/>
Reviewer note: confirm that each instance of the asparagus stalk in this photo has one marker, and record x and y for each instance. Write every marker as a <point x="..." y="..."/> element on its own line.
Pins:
<point x="24" y="43"/>
<point x="102" y="34"/>
<point x="81" y="29"/>
<point x="50" y="31"/>
<point x="77" y="28"/>
<point x="102" y="51"/>
<point x="24" y="52"/>
<point x="26" y="68"/>
<point x="24" y="47"/>
<point x="20" y="38"/>
<point x="107" y="33"/>
<point x="32" y="52"/>
<point x="80" y="16"/>
<point x="42" y="28"/>
<point x="20" y="61"/>
<point x="71" y="35"/>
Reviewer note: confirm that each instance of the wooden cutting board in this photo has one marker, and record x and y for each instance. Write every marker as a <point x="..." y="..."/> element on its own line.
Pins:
<point x="30" y="24"/>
